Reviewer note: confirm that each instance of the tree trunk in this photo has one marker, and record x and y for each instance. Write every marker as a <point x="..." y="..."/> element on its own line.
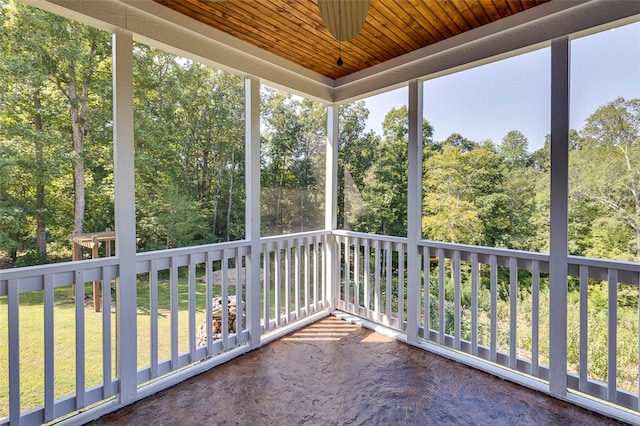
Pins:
<point x="78" y="170"/>
<point x="77" y="114"/>
<point x="216" y="198"/>
<point x="279" y="214"/>
<point x="230" y="201"/>
<point x="41" y="229"/>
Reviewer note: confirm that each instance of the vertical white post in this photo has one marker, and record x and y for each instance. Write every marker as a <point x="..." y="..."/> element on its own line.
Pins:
<point x="252" y="206"/>
<point x="558" y="248"/>
<point x="125" y="214"/>
<point x="331" y="204"/>
<point x="414" y="208"/>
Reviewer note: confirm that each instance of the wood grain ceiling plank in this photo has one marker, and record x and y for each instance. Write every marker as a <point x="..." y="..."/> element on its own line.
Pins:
<point x="450" y="10"/>
<point x="401" y="24"/>
<point x="258" y="21"/>
<point x="389" y="45"/>
<point x="429" y="32"/>
<point x="467" y="13"/>
<point x="291" y="36"/>
<point x="490" y="10"/>
<point x="374" y="38"/>
<point x="234" y="22"/>
<point x="360" y="52"/>
<point x="428" y="12"/>
<point x="478" y="11"/>
<point x="432" y="26"/>
<point x="373" y="41"/>
<point x="502" y="8"/>
<point x="311" y="45"/>
<point x="515" y="6"/>
<point x="353" y="51"/>
<point x="294" y="30"/>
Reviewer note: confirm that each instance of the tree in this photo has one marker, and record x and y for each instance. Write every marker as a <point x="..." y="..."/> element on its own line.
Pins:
<point x="515" y="149"/>
<point x="49" y="62"/>
<point x="190" y="135"/>
<point x="357" y="152"/>
<point x="606" y="168"/>
<point x="460" y="193"/>
<point x="384" y="209"/>
<point x="456" y="140"/>
<point x="292" y="144"/>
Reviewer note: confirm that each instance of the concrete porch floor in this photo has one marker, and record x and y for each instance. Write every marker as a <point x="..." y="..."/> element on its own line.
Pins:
<point x="336" y="373"/>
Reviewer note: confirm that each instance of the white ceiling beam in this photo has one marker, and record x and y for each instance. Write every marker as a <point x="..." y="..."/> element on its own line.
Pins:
<point x="164" y="28"/>
<point x="519" y="32"/>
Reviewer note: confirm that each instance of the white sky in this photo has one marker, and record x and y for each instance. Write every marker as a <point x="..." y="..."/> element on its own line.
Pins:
<point x="514" y="94"/>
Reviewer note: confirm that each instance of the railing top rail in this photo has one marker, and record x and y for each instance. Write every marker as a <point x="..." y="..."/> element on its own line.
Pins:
<point x="56" y="268"/>
<point x="544" y="257"/>
<point x="605" y="263"/>
<point x="181" y="251"/>
<point x="500" y="252"/>
<point x="363" y="235"/>
<point x="294" y="236"/>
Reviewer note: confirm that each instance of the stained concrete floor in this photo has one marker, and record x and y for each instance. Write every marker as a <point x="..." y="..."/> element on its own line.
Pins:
<point x="336" y="373"/>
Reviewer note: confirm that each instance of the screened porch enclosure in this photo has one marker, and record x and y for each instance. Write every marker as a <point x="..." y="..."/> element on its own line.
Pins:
<point x="448" y="299"/>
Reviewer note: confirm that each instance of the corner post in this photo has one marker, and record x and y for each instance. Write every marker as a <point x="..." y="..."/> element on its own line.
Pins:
<point x="125" y="215"/>
<point x="414" y="208"/>
<point x="252" y="205"/>
<point x="331" y="205"/>
<point x="559" y="216"/>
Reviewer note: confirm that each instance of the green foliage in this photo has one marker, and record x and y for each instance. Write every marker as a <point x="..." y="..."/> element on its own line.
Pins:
<point x="29" y="258"/>
<point x="515" y="149"/>
<point x="189" y="151"/>
<point x="604" y="178"/>
<point x="292" y="172"/>
<point x="357" y="153"/>
<point x="384" y="197"/>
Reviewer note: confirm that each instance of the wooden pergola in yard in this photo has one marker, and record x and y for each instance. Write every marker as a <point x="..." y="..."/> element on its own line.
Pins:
<point x="284" y="44"/>
<point x="93" y="241"/>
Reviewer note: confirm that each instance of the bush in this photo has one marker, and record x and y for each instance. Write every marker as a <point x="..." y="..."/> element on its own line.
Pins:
<point x="30" y="258"/>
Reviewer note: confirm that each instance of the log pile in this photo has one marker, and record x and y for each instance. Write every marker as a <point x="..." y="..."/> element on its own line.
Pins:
<point x="216" y="317"/>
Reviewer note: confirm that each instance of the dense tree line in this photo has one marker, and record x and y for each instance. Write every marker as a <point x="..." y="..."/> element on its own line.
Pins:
<point x="57" y="174"/>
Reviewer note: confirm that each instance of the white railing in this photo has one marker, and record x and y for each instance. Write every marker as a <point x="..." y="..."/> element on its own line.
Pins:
<point x="42" y="286"/>
<point x="493" y="305"/>
<point x="619" y="384"/>
<point x="293" y="274"/>
<point x="176" y="328"/>
<point x="179" y="288"/>
<point x="490" y="305"/>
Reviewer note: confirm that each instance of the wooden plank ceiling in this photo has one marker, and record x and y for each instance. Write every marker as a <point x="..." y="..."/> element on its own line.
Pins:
<point x="293" y="29"/>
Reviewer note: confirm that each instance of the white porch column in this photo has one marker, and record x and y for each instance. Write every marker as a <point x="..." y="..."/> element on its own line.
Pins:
<point x="125" y="214"/>
<point x="414" y="208"/>
<point x="558" y="248"/>
<point x="331" y="204"/>
<point x="252" y="206"/>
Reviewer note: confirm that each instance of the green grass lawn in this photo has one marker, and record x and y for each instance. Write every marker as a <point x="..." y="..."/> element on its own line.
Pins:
<point x="32" y="336"/>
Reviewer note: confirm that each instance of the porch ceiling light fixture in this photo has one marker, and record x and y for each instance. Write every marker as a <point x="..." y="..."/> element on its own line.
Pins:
<point x="344" y="18"/>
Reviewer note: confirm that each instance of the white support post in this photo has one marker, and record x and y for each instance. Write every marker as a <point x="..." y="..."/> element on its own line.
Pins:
<point x="125" y="214"/>
<point x="414" y="208"/>
<point x="252" y="206"/>
<point x="558" y="248"/>
<point x="331" y="204"/>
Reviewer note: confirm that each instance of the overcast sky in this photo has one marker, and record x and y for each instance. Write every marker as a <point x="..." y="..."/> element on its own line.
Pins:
<point x="514" y="94"/>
